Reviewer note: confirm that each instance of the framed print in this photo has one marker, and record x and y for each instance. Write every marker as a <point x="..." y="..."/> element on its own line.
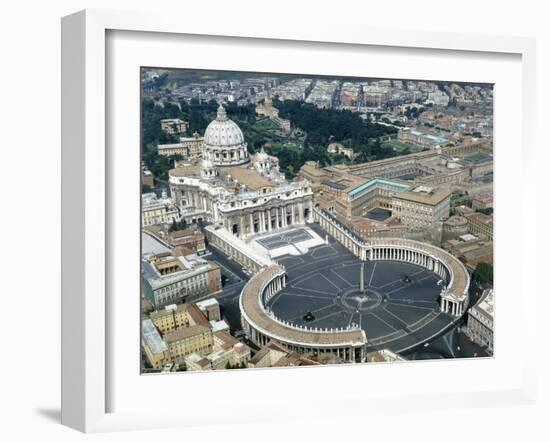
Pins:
<point x="240" y="215"/>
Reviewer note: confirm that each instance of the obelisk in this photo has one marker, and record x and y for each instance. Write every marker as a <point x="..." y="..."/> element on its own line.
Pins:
<point x="362" y="278"/>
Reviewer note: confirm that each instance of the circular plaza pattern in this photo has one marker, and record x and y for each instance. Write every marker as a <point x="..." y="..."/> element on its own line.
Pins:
<point x="354" y="300"/>
<point x="347" y="297"/>
<point x="398" y="308"/>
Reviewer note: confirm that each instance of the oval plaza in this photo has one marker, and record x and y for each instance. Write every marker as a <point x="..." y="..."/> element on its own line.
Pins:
<point x="349" y="342"/>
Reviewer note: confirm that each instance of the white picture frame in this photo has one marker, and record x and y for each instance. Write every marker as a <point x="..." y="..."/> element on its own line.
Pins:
<point x="85" y="214"/>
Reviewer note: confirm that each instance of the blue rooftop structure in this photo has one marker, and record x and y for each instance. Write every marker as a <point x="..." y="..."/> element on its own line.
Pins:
<point x="437" y="138"/>
<point x="394" y="185"/>
<point x="332" y="184"/>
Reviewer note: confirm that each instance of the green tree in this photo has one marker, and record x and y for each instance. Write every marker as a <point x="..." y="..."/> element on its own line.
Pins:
<point x="486" y="211"/>
<point x="483" y="274"/>
<point x="177" y="225"/>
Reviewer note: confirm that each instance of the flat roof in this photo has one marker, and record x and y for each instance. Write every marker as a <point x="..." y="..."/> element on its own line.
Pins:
<point x="332" y="184"/>
<point x="185" y="332"/>
<point x="152" y="337"/>
<point x="151" y="245"/>
<point x="378" y="181"/>
<point x="207" y="302"/>
<point x="430" y="198"/>
<point x="218" y="326"/>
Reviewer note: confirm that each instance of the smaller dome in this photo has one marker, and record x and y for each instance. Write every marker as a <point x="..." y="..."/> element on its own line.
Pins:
<point x="262" y="155"/>
<point x="206" y="164"/>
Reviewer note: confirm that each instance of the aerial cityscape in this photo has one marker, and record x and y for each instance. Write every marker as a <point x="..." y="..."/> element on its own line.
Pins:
<point x="302" y="220"/>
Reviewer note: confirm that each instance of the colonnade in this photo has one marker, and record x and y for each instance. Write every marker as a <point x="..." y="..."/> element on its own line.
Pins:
<point x="451" y="306"/>
<point x="234" y="248"/>
<point x="344" y="236"/>
<point x="273" y="286"/>
<point x="344" y="349"/>
<point x="225" y="156"/>
<point x="418" y="257"/>
<point x="348" y="353"/>
<point x="262" y="220"/>
<point x="425" y="255"/>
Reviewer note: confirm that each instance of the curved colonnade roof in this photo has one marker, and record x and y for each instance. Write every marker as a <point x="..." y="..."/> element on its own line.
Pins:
<point x="257" y="317"/>
<point x="461" y="279"/>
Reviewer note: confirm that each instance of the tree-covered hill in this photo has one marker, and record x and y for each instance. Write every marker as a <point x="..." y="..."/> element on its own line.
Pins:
<point x="321" y="127"/>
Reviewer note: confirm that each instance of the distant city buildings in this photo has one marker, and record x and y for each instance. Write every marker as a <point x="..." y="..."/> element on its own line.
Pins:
<point x="421" y="139"/>
<point x="295" y="89"/>
<point x="323" y="93"/>
<point x="350" y="94"/>
<point x="375" y="96"/>
<point x="439" y="98"/>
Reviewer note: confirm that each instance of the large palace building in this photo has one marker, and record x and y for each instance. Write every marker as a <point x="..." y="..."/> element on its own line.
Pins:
<point x="245" y="194"/>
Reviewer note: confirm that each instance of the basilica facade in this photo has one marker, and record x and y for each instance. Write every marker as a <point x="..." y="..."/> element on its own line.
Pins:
<point x="246" y="194"/>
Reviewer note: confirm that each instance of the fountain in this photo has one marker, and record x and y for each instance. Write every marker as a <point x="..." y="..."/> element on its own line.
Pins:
<point x="309" y="317"/>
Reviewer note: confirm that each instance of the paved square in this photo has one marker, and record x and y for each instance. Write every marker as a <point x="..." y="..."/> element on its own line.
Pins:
<point x="282" y="239"/>
<point x="395" y="312"/>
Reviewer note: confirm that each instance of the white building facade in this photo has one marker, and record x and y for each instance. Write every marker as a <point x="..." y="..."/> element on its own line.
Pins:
<point x="246" y="195"/>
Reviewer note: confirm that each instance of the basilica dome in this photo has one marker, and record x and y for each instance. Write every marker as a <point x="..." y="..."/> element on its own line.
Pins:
<point x="224" y="143"/>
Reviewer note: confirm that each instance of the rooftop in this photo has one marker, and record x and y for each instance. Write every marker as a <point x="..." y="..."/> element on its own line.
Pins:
<point x="250" y="303"/>
<point x="425" y="195"/>
<point x="480" y="218"/>
<point x="185" y="332"/>
<point x="177" y="269"/>
<point x="207" y="303"/>
<point x="456" y="220"/>
<point x="168" y="310"/>
<point x="152" y="337"/>
<point x="218" y="326"/>
<point x="151" y="245"/>
<point x="486" y="304"/>
<point x="396" y="185"/>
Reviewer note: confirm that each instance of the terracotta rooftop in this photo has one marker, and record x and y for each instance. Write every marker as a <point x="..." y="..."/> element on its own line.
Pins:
<point x="168" y="311"/>
<point x="248" y="176"/>
<point x="185" y="332"/>
<point x="430" y="198"/>
<point x="481" y="218"/>
<point x="197" y="315"/>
